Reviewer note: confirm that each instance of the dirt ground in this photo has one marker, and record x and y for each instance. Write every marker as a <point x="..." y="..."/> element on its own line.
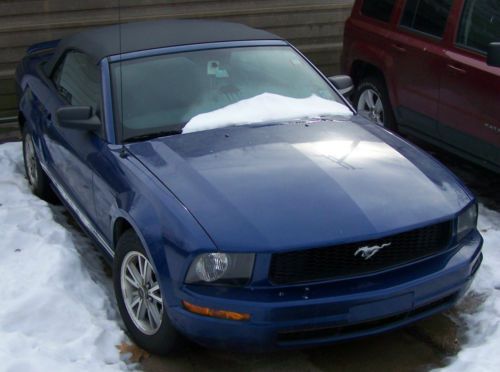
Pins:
<point x="420" y="347"/>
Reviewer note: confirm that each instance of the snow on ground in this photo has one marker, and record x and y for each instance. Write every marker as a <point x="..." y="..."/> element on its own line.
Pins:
<point x="265" y="108"/>
<point x="55" y="313"/>
<point x="482" y="351"/>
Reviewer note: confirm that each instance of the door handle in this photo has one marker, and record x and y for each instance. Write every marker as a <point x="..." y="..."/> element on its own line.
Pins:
<point x="457" y="69"/>
<point x="399" y="48"/>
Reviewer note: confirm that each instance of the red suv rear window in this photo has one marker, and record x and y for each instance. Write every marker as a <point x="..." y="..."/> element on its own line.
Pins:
<point x="480" y="24"/>
<point x="427" y="16"/>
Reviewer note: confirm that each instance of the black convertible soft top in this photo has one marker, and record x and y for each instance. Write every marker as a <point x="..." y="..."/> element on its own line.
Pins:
<point x="106" y="41"/>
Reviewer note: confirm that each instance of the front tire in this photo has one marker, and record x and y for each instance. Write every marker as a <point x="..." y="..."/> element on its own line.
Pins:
<point x="139" y="298"/>
<point x="372" y="102"/>
<point x="37" y="178"/>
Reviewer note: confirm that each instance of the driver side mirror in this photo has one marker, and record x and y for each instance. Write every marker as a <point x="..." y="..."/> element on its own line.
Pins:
<point x="78" y="117"/>
<point x="494" y="55"/>
<point x="343" y="83"/>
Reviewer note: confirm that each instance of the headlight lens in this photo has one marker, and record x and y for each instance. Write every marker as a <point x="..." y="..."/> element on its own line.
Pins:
<point x="221" y="268"/>
<point x="212" y="266"/>
<point x="467" y="221"/>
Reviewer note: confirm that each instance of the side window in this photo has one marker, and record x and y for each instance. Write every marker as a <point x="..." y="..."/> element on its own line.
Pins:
<point x="427" y="16"/>
<point x="378" y="9"/>
<point x="77" y="79"/>
<point x="480" y="24"/>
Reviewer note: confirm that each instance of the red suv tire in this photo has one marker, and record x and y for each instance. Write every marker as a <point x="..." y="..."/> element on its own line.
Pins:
<point x="371" y="100"/>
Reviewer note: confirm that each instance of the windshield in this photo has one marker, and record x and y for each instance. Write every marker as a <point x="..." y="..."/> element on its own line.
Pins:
<point x="207" y="89"/>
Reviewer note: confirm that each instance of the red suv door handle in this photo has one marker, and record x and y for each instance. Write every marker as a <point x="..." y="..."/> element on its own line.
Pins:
<point x="457" y="69"/>
<point x="399" y="48"/>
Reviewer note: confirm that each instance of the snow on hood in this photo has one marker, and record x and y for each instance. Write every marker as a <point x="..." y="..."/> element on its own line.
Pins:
<point x="265" y="108"/>
<point x="57" y="311"/>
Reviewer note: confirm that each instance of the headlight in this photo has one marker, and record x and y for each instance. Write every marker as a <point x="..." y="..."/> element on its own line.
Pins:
<point x="467" y="221"/>
<point x="221" y="268"/>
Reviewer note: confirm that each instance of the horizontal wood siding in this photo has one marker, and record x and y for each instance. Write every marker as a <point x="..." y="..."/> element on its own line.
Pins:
<point x="314" y="26"/>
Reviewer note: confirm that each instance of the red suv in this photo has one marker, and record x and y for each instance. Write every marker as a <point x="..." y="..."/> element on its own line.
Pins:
<point x="430" y="68"/>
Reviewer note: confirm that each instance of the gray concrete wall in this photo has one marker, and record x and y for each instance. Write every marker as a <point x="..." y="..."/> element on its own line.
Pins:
<point x="314" y="26"/>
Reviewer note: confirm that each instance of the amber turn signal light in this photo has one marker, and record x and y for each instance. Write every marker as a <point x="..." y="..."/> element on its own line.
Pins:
<point x="222" y="314"/>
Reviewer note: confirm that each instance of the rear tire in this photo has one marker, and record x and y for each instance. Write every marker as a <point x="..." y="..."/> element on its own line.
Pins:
<point x="141" y="306"/>
<point x="372" y="102"/>
<point x="37" y="178"/>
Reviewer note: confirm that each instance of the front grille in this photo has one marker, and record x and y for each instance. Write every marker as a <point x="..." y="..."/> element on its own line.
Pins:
<point x="340" y="261"/>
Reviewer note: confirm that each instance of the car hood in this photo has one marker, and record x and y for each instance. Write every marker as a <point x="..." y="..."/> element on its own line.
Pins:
<point x="288" y="186"/>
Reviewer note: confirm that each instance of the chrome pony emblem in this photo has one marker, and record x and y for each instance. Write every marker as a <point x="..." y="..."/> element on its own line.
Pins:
<point x="369" y="252"/>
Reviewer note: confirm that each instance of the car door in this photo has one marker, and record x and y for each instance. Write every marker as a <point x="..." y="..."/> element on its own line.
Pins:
<point x="469" y="108"/>
<point x="72" y="151"/>
<point x="417" y="49"/>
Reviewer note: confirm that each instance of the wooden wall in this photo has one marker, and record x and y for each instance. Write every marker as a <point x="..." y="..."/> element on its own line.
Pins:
<point x="314" y="26"/>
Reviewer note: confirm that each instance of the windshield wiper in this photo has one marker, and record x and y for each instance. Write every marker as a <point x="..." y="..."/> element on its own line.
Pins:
<point x="303" y="119"/>
<point x="145" y="137"/>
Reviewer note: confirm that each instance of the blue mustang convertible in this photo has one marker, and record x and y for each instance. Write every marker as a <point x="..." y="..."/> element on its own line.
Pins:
<point x="241" y="201"/>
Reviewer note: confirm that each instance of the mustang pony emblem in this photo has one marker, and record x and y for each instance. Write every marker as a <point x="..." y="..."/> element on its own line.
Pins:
<point x="369" y="252"/>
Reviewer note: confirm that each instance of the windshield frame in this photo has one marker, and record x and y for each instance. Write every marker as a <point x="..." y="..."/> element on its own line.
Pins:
<point x="115" y="119"/>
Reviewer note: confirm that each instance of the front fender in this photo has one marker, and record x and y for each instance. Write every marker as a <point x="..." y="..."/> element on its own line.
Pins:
<point x="170" y="235"/>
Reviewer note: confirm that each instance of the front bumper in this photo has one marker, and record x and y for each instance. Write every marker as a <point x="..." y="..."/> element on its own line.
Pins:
<point x="302" y="316"/>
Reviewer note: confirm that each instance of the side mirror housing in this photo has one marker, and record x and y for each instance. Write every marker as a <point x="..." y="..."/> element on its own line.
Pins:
<point x="78" y="117"/>
<point x="343" y="83"/>
<point x="494" y="55"/>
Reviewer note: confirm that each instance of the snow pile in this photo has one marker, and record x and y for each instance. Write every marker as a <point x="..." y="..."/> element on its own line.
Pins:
<point x="482" y="351"/>
<point x="55" y="313"/>
<point x="265" y="108"/>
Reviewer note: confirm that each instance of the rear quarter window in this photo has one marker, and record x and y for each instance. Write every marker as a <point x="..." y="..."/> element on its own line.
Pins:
<point x="378" y="9"/>
<point x="427" y="16"/>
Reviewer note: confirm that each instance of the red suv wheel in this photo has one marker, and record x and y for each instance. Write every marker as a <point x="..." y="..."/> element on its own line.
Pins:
<point x="372" y="102"/>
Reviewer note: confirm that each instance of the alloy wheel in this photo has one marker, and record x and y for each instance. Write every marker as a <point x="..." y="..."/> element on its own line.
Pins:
<point x="30" y="158"/>
<point x="370" y="106"/>
<point x="141" y="293"/>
